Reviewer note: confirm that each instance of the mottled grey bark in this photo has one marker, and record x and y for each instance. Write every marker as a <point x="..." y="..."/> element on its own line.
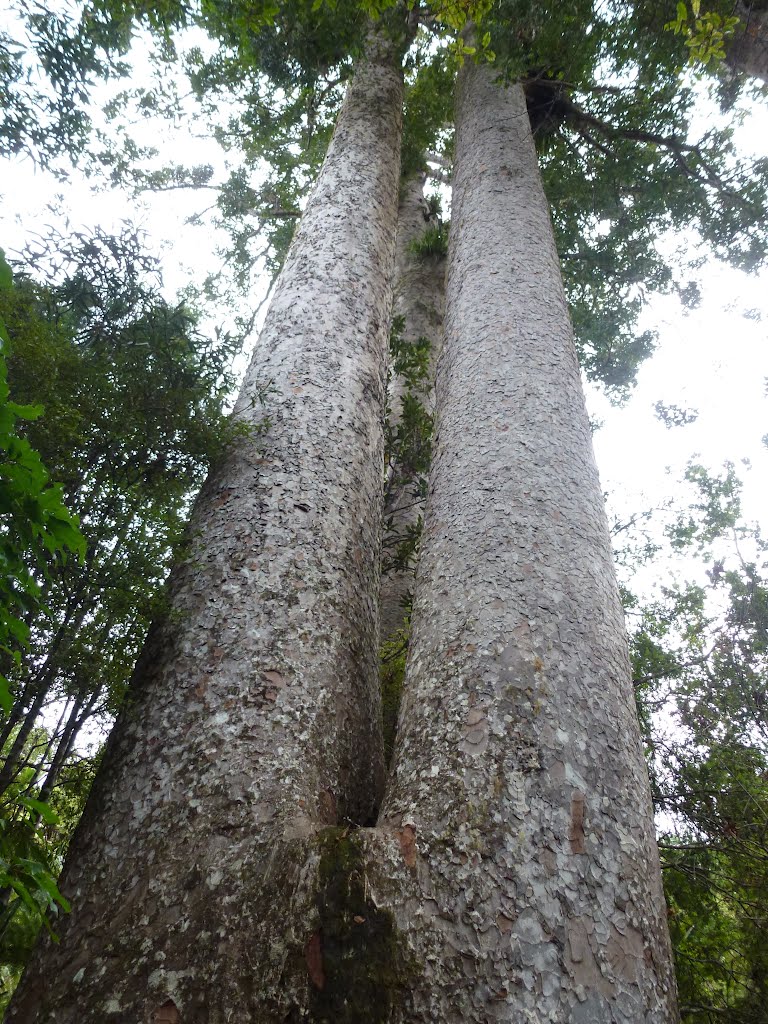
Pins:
<point x="530" y="888"/>
<point x="513" y="874"/>
<point x="419" y="296"/>
<point x="254" y="718"/>
<point x="747" y="49"/>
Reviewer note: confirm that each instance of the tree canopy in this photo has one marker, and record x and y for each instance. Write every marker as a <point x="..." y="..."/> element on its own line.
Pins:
<point x="622" y="159"/>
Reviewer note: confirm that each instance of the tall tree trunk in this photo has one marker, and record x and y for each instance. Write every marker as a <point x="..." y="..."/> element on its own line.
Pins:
<point x="519" y="792"/>
<point x="419" y="297"/>
<point x="254" y="718"/>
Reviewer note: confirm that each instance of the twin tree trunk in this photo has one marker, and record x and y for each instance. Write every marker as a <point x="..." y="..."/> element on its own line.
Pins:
<point x="223" y="871"/>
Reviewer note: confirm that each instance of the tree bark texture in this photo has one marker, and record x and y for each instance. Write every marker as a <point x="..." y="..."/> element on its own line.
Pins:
<point x="519" y="792"/>
<point x="419" y="298"/>
<point x="513" y="874"/>
<point x="254" y="718"/>
<point x="747" y="49"/>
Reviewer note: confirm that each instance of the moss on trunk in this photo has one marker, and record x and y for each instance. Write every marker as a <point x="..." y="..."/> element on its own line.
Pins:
<point x="358" y="964"/>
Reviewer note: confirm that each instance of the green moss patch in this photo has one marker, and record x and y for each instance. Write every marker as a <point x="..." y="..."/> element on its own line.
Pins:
<point x="357" y="964"/>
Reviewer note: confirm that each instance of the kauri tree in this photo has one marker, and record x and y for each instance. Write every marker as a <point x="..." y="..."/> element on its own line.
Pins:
<point x="242" y="855"/>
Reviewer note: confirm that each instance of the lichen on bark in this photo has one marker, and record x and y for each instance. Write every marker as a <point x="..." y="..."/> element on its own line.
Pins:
<point x="254" y="718"/>
<point x="518" y="782"/>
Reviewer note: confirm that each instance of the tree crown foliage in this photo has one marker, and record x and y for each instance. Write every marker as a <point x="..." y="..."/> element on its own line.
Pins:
<point x="623" y="159"/>
<point x="699" y="661"/>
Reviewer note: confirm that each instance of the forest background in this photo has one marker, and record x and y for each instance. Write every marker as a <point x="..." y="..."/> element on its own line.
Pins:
<point x="123" y="379"/>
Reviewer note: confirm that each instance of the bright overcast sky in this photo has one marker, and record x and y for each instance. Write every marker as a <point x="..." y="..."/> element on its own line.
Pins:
<point x="713" y="360"/>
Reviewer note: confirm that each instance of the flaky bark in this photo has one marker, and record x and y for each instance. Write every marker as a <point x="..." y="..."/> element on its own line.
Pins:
<point x="512" y="876"/>
<point x="254" y="718"/>
<point x="519" y="795"/>
<point x="419" y="297"/>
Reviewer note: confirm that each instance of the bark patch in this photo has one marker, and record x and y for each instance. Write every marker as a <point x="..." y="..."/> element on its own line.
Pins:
<point x="168" y="1013"/>
<point x="407" y="839"/>
<point x="327" y="807"/>
<point x="576" y="832"/>
<point x="313" y="954"/>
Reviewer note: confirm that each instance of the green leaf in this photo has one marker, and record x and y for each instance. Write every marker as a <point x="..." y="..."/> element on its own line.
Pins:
<point x="48" y="885"/>
<point x="18" y="886"/>
<point x="17" y="629"/>
<point x="26" y="412"/>
<point x="6" y="275"/>
<point x="6" y="697"/>
<point x="46" y="812"/>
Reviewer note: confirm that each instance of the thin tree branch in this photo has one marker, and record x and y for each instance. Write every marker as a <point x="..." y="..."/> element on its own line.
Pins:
<point x="438" y="175"/>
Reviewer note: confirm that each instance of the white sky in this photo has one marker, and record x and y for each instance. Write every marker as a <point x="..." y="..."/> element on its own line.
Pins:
<point x="714" y="360"/>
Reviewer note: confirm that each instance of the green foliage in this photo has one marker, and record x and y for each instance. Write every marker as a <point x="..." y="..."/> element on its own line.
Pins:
<point x="705" y="34"/>
<point x="720" y="965"/>
<point x="132" y="398"/>
<point x="37" y="529"/>
<point x="700" y="659"/>
<point x="34" y="836"/>
<point x="717" y="885"/>
<point x="288" y="41"/>
<point x="619" y="160"/>
<point x="428" y="105"/>
<point x="25" y="868"/>
<point x="621" y="164"/>
<point x="36" y="535"/>
<point x="716" y="511"/>
<point x="50" y="60"/>
<point x="674" y="416"/>
<point x="433" y="243"/>
<point x="392" y="658"/>
<point x="408" y="446"/>
<point x="611" y="196"/>
<point x="279" y="131"/>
